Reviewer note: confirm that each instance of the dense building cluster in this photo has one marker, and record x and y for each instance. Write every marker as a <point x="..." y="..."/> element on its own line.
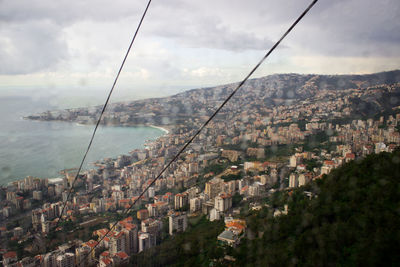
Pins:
<point x="237" y="154"/>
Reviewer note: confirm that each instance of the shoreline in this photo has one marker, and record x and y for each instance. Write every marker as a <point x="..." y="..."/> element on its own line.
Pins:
<point x="165" y="131"/>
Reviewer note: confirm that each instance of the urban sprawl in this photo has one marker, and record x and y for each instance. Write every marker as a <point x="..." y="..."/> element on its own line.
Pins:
<point x="251" y="150"/>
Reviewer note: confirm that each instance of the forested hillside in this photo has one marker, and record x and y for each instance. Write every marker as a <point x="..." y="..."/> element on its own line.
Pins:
<point x="352" y="220"/>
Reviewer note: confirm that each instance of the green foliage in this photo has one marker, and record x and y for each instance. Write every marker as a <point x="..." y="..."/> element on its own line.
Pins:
<point x="236" y="199"/>
<point x="231" y="177"/>
<point x="312" y="163"/>
<point x="237" y="147"/>
<point x="300" y="123"/>
<point x="215" y="168"/>
<point x="13" y="224"/>
<point x="184" y="208"/>
<point x="195" y="247"/>
<point x="165" y="190"/>
<point x="353" y="221"/>
<point x="278" y="199"/>
<point x="320" y="140"/>
<point x="279" y="150"/>
<point x="68" y="225"/>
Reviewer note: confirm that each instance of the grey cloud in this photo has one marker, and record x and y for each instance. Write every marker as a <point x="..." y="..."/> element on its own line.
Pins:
<point x="333" y="28"/>
<point x="352" y="28"/>
<point x="31" y="31"/>
<point x="198" y="25"/>
<point x="67" y="12"/>
<point x="30" y="47"/>
<point x="208" y="32"/>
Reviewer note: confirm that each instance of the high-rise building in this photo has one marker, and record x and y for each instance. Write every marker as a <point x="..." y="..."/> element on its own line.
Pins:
<point x="144" y="241"/>
<point x="49" y="260"/>
<point x="223" y="202"/>
<point x="82" y="255"/>
<point x="177" y="222"/>
<point x="152" y="227"/>
<point x="142" y="214"/>
<point x="130" y="231"/>
<point x="37" y="195"/>
<point x="117" y="242"/>
<point x="213" y="187"/>
<point x="65" y="260"/>
<point x="293" y="180"/>
<point x="181" y="200"/>
<point x="195" y="204"/>
<point x="151" y="192"/>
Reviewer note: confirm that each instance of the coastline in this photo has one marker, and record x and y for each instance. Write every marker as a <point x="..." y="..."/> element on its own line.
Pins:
<point x="166" y="131"/>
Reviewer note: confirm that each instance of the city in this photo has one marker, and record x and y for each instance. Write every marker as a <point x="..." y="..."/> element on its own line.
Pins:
<point x="266" y="141"/>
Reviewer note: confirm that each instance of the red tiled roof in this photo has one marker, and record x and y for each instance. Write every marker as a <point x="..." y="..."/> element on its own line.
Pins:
<point x="9" y="255"/>
<point x="235" y="225"/>
<point x="106" y="261"/>
<point x="223" y="195"/>
<point x="122" y="255"/>
<point x="129" y="226"/>
<point x="39" y="257"/>
<point x="91" y="243"/>
<point x="105" y="253"/>
<point x="101" y="232"/>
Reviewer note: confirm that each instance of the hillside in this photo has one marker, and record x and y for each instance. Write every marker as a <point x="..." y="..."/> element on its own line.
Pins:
<point x="353" y="220"/>
<point x="363" y="95"/>
<point x="298" y="86"/>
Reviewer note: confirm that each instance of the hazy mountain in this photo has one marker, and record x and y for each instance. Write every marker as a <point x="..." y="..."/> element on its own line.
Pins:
<point x="365" y="95"/>
<point x="298" y="85"/>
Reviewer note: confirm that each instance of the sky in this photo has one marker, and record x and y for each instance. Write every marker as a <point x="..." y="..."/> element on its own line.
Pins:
<point x="74" y="48"/>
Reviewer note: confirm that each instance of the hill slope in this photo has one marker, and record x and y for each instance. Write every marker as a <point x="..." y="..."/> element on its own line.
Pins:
<point x="353" y="221"/>
<point x="364" y="95"/>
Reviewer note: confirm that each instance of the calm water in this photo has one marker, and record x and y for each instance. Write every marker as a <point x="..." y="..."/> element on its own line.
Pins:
<point x="42" y="149"/>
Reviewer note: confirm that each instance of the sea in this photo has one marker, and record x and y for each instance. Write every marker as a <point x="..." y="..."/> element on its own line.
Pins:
<point x="42" y="149"/>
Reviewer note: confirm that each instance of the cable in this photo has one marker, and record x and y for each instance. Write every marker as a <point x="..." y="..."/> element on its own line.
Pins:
<point x="209" y="119"/>
<point x="102" y="112"/>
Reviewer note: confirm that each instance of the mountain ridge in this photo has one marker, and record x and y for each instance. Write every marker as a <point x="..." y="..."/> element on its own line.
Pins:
<point x="365" y="94"/>
<point x="385" y="77"/>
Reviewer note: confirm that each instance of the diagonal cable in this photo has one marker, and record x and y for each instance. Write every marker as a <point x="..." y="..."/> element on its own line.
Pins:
<point x="102" y="112"/>
<point x="209" y="119"/>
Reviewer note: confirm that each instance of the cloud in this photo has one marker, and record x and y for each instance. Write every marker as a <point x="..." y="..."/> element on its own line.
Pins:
<point x="208" y="38"/>
<point x="65" y="12"/>
<point x="205" y="72"/>
<point x="31" y="47"/>
<point x="200" y="30"/>
<point x="43" y="35"/>
<point x="351" y="28"/>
